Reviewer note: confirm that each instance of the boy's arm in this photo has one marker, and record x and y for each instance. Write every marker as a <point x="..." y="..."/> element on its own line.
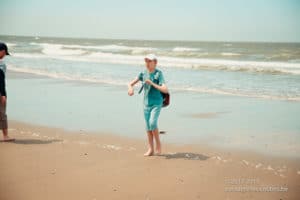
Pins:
<point x="160" y="85"/>
<point x="130" y="86"/>
<point x="2" y="87"/>
<point x="163" y="88"/>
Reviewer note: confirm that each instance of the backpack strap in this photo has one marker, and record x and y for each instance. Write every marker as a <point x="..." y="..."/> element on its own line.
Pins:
<point x="156" y="76"/>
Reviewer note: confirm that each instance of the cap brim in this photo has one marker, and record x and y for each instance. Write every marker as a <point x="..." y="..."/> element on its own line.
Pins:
<point x="150" y="58"/>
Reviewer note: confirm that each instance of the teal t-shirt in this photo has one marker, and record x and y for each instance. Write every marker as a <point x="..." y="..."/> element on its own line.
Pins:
<point x="152" y="96"/>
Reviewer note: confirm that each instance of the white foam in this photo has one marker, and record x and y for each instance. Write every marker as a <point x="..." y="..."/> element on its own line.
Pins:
<point x="229" y="54"/>
<point x="65" y="76"/>
<point x="57" y="52"/>
<point x="235" y="93"/>
<point x="118" y="82"/>
<point x="113" y="47"/>
<point x="184" y="49"/>
<point x="31" y="55"/>
<point x="10" y="44"/>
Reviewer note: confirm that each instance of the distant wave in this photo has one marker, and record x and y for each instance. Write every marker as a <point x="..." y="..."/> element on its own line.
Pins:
<point x="229" y="54"/>
<point x="58" y="52"/>
<point x="11" y="44"/>
<point x="112" y="48"/>
<point x="184" y="49"/>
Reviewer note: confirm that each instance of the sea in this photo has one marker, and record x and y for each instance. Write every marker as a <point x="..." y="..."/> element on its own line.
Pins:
<point x="233" y="94"/>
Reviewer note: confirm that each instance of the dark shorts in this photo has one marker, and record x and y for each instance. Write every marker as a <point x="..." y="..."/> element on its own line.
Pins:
<point x="3" y="116"/>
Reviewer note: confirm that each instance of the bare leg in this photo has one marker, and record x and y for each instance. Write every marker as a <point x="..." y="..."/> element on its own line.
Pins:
<point x="157" y="141"/>
<point x="150" y="143"/>
<point x="5" y="136"/>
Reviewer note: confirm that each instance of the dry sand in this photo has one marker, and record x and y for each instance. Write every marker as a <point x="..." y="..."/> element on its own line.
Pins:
<point x="47" y="163"/>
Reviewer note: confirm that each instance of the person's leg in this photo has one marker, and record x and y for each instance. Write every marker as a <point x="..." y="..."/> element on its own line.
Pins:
<point x="3" y="123"/>
<point x="5" y="134"/>
<point x="150" y="144"/>
<point x="157" y="141"/>
<point x="149" y="133"/>
<point x="153" y="126"/>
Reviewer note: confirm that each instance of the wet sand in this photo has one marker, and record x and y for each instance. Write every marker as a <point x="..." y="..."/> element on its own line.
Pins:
<point x="50" y="163"/>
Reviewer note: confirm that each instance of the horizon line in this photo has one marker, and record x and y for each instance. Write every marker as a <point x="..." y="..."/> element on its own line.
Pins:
<point x="162" y="40"/>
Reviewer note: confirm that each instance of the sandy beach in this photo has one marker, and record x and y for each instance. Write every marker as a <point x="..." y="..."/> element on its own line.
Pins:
<point x="82" y="95"/>
<point x="49" y="163"/>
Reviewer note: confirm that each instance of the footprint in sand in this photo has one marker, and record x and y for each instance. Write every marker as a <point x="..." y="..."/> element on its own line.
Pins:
<point x="219" y="159"/>
<point x="65" y="142"/>
<point x="82" y="142"/>
<point x="281" y="170"/>
<point x="245" y="162"/>
<point x="35" y="135"/>
<point x="111" y="147"/>
<point x="258" y="165"/>
<point x="131" y="149"/>
<point x="24" y="132"/>
<point x="282" y="176"/>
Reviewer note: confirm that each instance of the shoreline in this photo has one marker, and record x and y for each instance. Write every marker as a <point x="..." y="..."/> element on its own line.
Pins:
<point x="62" y="164"/>
<point x="197" y="145"/>
<point x="198" y="122"/>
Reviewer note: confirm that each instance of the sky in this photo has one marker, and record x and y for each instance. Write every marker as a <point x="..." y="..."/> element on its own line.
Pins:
<point x="201" y="20"/>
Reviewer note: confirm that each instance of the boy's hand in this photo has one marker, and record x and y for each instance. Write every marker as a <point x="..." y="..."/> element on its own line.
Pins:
<point x="149" y="82"/>
<point x="130" y="91"/>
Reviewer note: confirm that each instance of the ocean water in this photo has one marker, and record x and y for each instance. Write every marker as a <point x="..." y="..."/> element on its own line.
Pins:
<point x="237" y="95"/>
<point x="259" y="70"/>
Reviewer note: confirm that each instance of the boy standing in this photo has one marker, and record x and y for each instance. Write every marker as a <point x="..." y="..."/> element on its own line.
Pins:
<point x="3" y="116"/>
<point x="153" y="85"/>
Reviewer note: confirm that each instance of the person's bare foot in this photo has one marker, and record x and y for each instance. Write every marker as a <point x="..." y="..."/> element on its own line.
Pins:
<point x="158" y="151"/>
<point x="7" y="139"/>
<point x="158" y="148"/>
<point x="149" y="153"/>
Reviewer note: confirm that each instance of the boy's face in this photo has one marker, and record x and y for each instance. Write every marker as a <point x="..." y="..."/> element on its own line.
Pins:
<point x="150" y="64"/>
<point x="2" y="54"/>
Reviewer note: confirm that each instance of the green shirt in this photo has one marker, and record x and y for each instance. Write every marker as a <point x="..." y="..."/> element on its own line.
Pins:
<point x="152" y="96"/>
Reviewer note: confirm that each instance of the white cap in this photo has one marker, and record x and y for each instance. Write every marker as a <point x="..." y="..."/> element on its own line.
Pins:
<point x="151" y="57"/>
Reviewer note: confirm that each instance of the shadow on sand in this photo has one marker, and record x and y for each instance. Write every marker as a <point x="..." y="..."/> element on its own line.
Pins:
<point x="34" y="141"/>
<point x="186" y="156"/>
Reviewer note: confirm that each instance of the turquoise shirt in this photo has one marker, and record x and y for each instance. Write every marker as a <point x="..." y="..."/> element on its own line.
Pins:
<point x="152" y="96"/>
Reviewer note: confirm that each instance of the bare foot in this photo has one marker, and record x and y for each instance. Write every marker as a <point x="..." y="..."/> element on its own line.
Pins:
<point x="158" y="151"/>
<point x="7" y="139"/>
<point x="149" y="153"/>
